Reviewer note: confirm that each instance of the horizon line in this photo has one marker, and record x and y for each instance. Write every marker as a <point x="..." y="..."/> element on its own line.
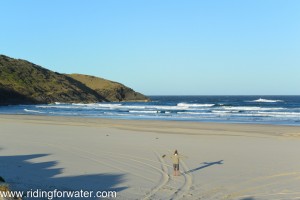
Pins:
<point x="223" y="95"/>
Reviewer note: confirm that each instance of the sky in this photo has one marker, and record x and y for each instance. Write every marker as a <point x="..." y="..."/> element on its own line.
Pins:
<point x="162" y="47"/>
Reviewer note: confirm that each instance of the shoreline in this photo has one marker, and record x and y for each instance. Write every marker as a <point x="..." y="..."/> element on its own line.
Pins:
<point x="167" y="127"/>
<point x="210" y="109"/>
<point x="154" y="120"/>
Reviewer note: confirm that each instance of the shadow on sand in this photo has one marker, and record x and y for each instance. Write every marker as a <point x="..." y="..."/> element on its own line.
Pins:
<point x="205" y="164"/>
<point x="24" y="175"/>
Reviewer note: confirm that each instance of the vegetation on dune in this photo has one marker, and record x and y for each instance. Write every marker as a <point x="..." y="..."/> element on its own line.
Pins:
<point x="25" y="82"/>
<point x="111" y="91"/>
<point x="22" y="82"/>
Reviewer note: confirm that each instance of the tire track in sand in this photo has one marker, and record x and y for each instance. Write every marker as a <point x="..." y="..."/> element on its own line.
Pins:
<point x="180" y="191"/>
<point x="164" y="171"/>
<point x="184" y="190"/>
<point x="97" y="161"/>
<point x="164" y="181"/>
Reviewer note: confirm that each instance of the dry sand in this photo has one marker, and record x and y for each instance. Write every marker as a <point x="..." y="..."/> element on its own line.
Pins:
<point x="224" y="161"/>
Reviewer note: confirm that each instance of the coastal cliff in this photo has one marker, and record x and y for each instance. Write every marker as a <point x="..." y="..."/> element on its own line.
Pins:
<point x="23" y="82"/>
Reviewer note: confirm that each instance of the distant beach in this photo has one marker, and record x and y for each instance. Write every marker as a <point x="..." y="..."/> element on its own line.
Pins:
<point x="224" y="161"/>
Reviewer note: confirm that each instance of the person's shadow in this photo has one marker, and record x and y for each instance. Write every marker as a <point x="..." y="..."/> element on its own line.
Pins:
<point x="205" y="164"/>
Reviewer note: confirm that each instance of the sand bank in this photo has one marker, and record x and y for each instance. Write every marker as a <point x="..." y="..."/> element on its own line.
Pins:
<point x="224" y="161"/>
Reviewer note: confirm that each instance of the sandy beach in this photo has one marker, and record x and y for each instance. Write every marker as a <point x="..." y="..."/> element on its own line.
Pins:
<point x="223" y="161"/>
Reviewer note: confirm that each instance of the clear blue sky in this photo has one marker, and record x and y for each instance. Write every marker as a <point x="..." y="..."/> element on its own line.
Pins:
<point x="162" y="46"/>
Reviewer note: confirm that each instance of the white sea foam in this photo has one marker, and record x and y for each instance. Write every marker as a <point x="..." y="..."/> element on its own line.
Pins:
<point x="32" y="111"/>
<point x="282" y="114"/>
<point x="58" y="106"/>
<point x="249" y="108"/>
<point x="80" y="105"/>
<point x="116" y="114"/>
<point x="195" y="113"/>
<point x="108" y="105"/>
<point x="225" y="111"/>
<point x="152" y="107"/>
<point x="241" y="108"/>
<point x="266" y="114"/>
<point x="84" y="104"/>
<point x="194" y="105"/>
<point x="164" y="107"/>
<point x="180" y="106"/>
<point x="132" y="107"/>
<point x="143" y="111"/>
<point x="266" y="100"/>
<point x="95" y="105"/>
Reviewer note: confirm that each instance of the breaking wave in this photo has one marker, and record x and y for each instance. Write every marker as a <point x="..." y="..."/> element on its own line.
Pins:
<point x="33" y="111"/>
<point x="266" y="100"/>
<point x="273" y="109"/>
<point x="194" y="105"/>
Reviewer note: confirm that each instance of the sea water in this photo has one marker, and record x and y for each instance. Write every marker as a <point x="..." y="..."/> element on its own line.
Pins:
<point x="226" y="109"/>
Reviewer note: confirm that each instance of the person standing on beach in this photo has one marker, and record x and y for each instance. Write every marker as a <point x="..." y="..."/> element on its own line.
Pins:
<point x="175" y="159"/>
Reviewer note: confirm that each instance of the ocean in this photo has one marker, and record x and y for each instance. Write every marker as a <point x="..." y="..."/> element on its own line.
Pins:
<point x="284" y="110"/>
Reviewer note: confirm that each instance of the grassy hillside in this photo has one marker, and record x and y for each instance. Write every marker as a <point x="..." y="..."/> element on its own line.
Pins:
<point x="22" y="82"/>
<point x="111" y="91"/>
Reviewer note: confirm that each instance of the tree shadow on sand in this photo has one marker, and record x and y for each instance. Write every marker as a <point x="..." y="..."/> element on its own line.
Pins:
<point x="205" y="164"/>
<point x="24" y="175"/>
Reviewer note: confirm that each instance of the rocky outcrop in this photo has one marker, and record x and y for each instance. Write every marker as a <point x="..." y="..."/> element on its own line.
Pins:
<point x="5" y="189"/>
